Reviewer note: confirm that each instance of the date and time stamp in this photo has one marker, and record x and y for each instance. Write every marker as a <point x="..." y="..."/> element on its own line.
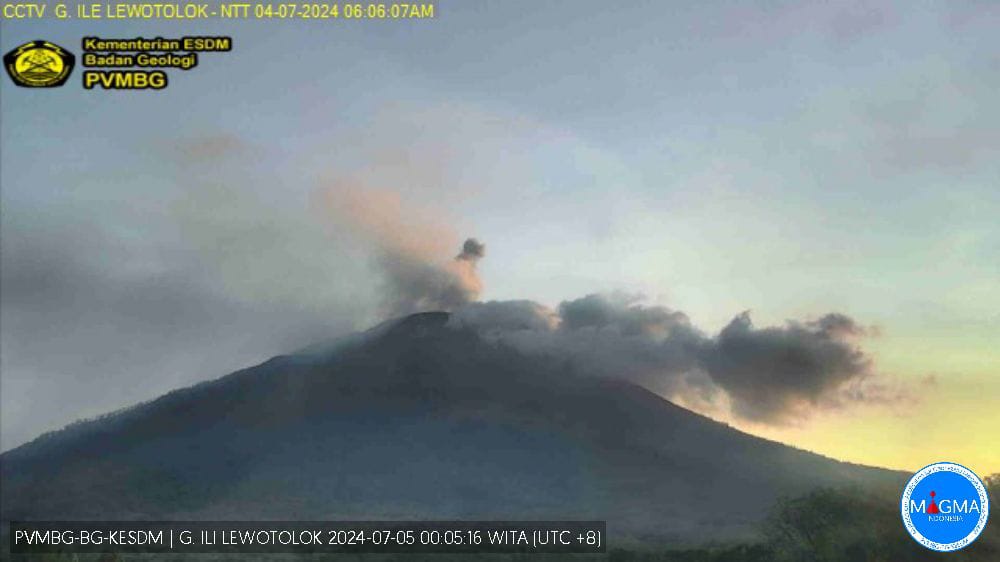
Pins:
<point x="301" y="11"/>
<point x="232" y="537"/>
<point x="145" y="64"/>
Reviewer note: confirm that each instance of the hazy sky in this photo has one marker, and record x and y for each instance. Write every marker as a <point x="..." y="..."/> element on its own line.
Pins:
<point x="791" y="159"/>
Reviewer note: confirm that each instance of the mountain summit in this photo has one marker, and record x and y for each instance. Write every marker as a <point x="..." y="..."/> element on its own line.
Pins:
<point x="417" y="418"/>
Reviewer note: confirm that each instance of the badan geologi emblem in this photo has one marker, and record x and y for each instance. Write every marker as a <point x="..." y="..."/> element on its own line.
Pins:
<point x="39" y="64"/>
<point x="945" y="506"/>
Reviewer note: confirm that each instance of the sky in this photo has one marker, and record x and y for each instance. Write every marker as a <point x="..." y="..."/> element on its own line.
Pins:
<point x="788" y="159"/>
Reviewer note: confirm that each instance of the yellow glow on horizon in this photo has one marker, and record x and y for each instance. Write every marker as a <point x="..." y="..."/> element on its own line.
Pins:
<point x="956" y="421"/>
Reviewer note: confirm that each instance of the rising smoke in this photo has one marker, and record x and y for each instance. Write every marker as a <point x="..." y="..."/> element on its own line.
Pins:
<point x="764" y="375"/>
<point x="410" y="246"/>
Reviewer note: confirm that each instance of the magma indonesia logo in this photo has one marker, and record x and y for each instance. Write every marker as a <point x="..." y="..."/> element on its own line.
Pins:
<point x="945" y="506"/>
<point x="39" y="64"/>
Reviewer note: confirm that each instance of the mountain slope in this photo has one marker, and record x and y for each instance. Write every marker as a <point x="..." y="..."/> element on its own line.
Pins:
<point x="417" y="419"/>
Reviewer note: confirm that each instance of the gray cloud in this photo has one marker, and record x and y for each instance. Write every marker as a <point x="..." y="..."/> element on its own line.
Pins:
<point x="88" y="327"/>
<point x="772" y="371"/>
<point x="768" y="375"/>
<point x="621" y="313"/>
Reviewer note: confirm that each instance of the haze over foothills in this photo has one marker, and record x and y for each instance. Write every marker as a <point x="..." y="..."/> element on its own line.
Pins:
<point x="634" y="181"/>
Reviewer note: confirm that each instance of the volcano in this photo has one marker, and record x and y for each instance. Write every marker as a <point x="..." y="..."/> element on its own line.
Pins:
<point x="418" y="419"/>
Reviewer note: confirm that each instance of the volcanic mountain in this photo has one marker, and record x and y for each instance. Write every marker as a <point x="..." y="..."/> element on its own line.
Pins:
<point x="417" y="418"/>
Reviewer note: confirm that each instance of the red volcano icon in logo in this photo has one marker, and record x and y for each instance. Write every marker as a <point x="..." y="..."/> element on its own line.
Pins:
<point x="933" y="508"/>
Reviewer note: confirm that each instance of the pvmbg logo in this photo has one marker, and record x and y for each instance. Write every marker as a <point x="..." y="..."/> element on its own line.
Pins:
<point x="39" y="64"/>
<point x="945" y="506"/>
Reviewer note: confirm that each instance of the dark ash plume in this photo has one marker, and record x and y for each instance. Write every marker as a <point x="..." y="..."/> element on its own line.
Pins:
<point x="766" y="375"/>
<point x="473" y="250"/>
<point x="769" y="372"/>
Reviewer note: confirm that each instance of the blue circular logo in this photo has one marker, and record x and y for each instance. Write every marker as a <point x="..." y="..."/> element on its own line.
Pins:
<point x="945" y="506"/>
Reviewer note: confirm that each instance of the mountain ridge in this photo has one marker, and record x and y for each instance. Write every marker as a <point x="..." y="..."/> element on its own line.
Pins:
<point x="418" y="418"/>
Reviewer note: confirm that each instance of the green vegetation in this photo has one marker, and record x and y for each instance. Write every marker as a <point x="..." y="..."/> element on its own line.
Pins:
<point x="835" y="526"/>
